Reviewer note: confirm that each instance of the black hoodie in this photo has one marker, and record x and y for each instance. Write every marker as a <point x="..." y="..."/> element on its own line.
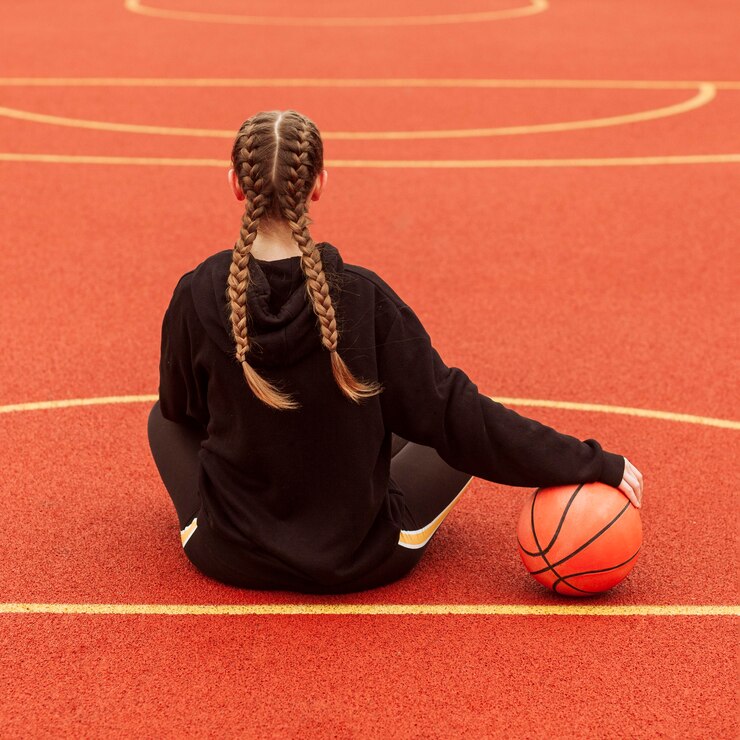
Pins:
<point x="306" y="495"/>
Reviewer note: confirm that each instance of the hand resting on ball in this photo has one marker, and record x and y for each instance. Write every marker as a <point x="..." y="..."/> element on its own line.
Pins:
<point x="631" y="484"/>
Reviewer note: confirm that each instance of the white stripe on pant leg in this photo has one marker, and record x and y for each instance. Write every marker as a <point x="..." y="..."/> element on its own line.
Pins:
<point x="416" y="538"/>
<point x="187" y="533"/>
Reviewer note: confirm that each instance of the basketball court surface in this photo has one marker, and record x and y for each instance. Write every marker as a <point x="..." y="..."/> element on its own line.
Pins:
<point x="551" y="186"/>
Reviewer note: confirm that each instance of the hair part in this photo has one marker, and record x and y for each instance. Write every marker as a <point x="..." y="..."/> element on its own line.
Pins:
<point x="277" y="156"/>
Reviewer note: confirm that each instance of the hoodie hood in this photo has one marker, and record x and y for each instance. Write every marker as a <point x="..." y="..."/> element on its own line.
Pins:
<point x="275" y="338"/>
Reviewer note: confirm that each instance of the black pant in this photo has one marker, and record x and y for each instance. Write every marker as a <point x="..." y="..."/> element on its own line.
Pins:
<point x="429" y="484"/>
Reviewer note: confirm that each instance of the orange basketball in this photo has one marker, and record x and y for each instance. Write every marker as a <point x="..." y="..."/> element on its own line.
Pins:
<point x="579" y="540"/>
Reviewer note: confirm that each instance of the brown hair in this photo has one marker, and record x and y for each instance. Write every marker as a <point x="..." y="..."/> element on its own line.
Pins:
<point x="277" y="156"/>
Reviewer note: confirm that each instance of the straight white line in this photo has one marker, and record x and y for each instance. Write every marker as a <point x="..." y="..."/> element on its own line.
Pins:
<point x="573" y="162"/>
<point x="42" y="158"/>
<point x="678" y="610"/>
<point x="404" y="82"/>
<point x="680" y="159"/>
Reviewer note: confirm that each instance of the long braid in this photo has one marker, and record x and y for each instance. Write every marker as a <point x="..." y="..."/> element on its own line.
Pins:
<point x="252" y="183"/>
<point x="276" y="172"/>
<point x="295" y="211"/>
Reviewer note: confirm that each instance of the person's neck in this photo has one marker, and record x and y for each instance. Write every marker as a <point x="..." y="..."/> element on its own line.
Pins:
<point x="276" y="244"/>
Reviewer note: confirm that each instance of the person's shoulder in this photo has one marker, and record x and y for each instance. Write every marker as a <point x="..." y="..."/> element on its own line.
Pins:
<point x="362" y="283"/>
<point x="391" y="310"/>
<point x="214" y="262"/>
<point x="217" y="261"/>
<point x="370" y="278"/>
<point x="182" y="293"/>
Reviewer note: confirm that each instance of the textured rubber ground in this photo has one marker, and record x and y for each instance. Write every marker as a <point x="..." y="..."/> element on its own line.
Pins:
<point x="609" y="278"/>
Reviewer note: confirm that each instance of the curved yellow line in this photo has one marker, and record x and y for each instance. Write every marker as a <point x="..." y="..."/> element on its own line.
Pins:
<point x="706" y="93"/>
<point x="676" y="159"/>
<point x="534" y="7"/>
<point x="627" y="410"/>
<point x="568" y="405"/>
<point x="621" y="610"/>
<point x="129" y="128"/>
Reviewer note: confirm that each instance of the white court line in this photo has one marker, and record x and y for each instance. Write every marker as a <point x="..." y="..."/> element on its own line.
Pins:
<point x="664" y="610"/>
<point x="679" y="159"/>
<point x="535" y="402"/>
<point x="402" y="82"/>
<point x="531" y="8"/>
<point x="459" y="609"/>
<point x="705" y="94"/>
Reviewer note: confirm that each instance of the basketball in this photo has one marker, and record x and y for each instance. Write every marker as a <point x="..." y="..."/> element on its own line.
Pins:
<point x="579" y="540"/>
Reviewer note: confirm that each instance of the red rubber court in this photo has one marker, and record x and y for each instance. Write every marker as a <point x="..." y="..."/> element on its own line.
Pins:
<point x="550" y="185"/>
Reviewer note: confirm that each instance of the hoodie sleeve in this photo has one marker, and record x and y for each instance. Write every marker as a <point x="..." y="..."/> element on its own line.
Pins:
<point x="183" y="382"/>
<point x="429" y="403"/>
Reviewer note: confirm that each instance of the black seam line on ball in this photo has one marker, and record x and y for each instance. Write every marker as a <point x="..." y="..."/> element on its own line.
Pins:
<point x="539" y="547"/>
<point x="584" y="545"/>
<point x="560" y="523"/>
<point x="564" y="579"/>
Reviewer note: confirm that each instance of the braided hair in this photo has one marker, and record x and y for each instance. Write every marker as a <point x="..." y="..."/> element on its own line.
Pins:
<point x="277" y="156"/>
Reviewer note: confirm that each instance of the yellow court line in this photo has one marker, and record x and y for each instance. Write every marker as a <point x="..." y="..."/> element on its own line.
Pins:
<point x="567" y="405"/>
<point x="533" y="7"/>
<point x="678" y="159"/>
<point x="705" y="95"/>
<point x="105" y="159"/>
<point x="671" y="159"/>
<point x="661" y="610"/>
<point x="626" y="410"/>
<point x="71" y="402"/>
<point x="403" y="82"/>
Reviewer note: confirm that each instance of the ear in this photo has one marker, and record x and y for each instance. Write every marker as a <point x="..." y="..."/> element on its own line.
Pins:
<point x="234" y="183"/>
<point x="319" y="185"/>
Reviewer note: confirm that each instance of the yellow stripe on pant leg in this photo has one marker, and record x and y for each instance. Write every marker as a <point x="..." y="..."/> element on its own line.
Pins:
<point x="416" y="538"/>
<point x="187" y="533"/>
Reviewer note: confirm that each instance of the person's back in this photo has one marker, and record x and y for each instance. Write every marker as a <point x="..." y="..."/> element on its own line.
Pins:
<point x="307" y="487"/>
<point x="296" y="481"/>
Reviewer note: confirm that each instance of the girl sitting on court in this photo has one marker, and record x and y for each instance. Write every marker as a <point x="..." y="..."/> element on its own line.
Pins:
<point x="310" y="436"/>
